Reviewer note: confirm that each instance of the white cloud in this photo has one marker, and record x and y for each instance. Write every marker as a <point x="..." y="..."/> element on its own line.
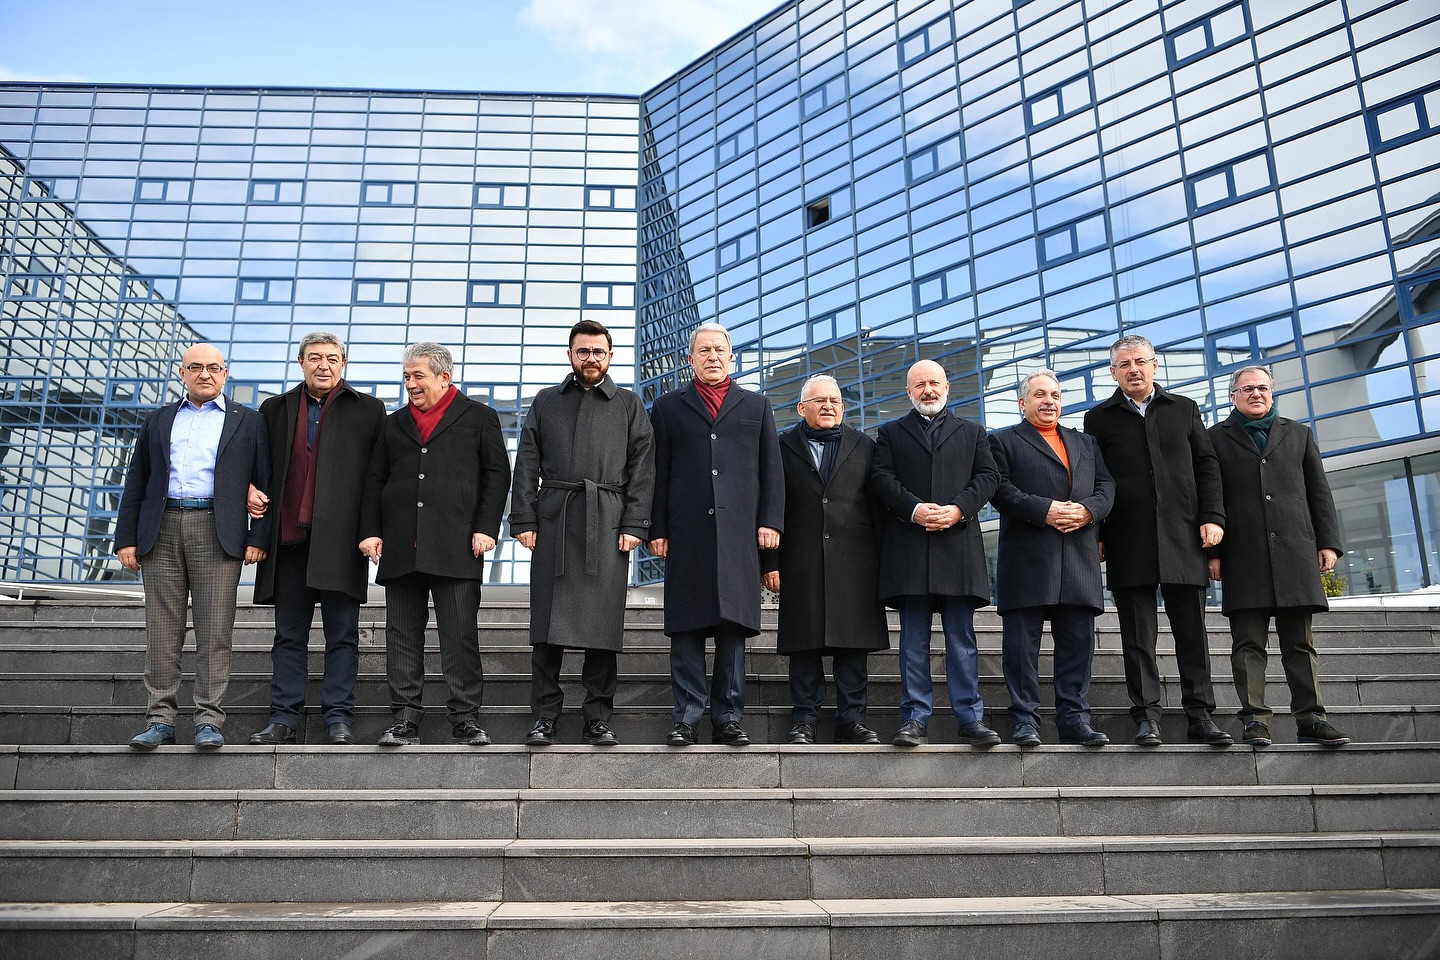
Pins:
<point x="630" y="45"/>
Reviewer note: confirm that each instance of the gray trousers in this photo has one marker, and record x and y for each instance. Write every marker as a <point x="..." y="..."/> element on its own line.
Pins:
<point x="1249" y="631"/>
<point x="407" y="608"/>
<point x="188" y="563"/>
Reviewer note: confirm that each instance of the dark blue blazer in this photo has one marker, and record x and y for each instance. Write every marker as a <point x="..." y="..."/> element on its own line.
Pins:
<point x="243" y="459"/>
<point x="1038" y="565"/>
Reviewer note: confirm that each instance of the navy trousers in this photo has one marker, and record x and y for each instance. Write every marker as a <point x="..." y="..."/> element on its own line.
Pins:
<point x="1073" y="628"/>
<point x="295" y="602"/>
<point x="962" y="660"/>
<point x="727" y="684"/>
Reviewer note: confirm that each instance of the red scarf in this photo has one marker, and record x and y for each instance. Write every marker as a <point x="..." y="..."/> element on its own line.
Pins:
<point x="713" y="396"/>
<point x="427" y="420"/>
<point x="298" y="506"/>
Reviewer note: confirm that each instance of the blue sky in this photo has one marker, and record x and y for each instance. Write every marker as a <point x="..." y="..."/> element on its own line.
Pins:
<point x="548" y="46"/>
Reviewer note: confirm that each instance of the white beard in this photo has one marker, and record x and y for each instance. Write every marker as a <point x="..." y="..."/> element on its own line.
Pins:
<point x="929" y="409"/>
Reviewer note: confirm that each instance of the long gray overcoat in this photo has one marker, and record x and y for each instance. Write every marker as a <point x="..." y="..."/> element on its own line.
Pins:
<point x="1167" y="484"/>
<point x="959" y="470"/>
<point x="584" y="475"/>
<point x="717" y="482"/>
<point x="347" y="436"/>
<point x="1281" y="515"/>
<point x="829" y="558"/>
<point x="1038" y="565"/>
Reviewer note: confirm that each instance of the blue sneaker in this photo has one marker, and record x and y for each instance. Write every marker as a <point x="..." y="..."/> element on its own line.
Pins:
<point x="155" y="735"/>
<point x="208" y="737"/>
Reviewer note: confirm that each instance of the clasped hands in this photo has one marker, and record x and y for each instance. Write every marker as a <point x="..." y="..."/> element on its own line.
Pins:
<point x="934" y="516"/>
<point x="1067" y="516"/>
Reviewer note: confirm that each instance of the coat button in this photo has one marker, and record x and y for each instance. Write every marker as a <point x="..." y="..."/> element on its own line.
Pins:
<point x="424" y="449"/>
<point x="714" y="437"/>
<point x="422" y="476"/>
<point x="714" y="473"/>
<point x="824" y="499"/>
<point x="1263" y="460"/>
<point x="419" y="503"/>
<point x="1267" y="496"/>
<point x="712" y="511"/>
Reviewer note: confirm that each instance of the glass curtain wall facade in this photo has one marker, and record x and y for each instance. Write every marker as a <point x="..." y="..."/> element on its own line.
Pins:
<point x="140" y="220"/>
<point x="1001" y="185"/>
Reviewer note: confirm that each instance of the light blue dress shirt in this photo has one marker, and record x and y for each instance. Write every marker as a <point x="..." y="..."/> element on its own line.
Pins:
<point x="194" y="446"/>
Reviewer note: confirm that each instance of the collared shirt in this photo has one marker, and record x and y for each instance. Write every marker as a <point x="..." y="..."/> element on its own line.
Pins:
<point x="194" y="446"/>
<point x="1142" y="405"/>
<point x="313" y="409"/>
<point x="817" y="451"/>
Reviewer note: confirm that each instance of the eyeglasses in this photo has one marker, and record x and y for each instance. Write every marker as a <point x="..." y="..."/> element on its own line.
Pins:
<point x="214" y="369"/>
<point x="826" y="401"/>
<point x="585" y="353"/>
<point x="1139" y="363"/>
<point x="315" y="359"/>
<point x="1253" y="388"/>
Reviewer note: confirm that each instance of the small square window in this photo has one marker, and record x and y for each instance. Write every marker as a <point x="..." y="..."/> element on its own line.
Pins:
<point x="264" y="290"/>
<point x="1202" y="37"/>
<point x="497" y="293"/>
<point x="817" y="213"/>
<point x="512" y="195"/>
<point x="383" y="293"/>
<point x="162" y="191"/>
<point x="276" y="191"/>
<point x="385" y="193"/>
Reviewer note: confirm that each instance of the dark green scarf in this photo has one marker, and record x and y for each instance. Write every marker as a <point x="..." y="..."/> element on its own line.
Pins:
<point x="1259" y="430"/>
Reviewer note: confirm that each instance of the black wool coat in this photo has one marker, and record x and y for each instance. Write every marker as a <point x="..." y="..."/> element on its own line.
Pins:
<point x="716" y="483"/>
<point x="1038" y="565"/>
<point x="829" y="558"/>
<point x="242" y="459"/>
<point x="426" y="500"/>
<point x="907" y="472"/>
<point x="1167" y="483"/>
<point x="584" y="474"/>
<point x="348" y="432"/>
<point x="1281" y="516"/>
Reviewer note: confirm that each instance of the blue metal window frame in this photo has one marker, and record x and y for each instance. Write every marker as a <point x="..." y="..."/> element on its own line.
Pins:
<point x="808" y="109"/>
<point x="930" y="43"/>
<point x="1205" y="23"/>
<point x="933" y="153"/>
<point x="829" y="319"/>
<point x="944" y="276"/>
<point x="265" y="296"/>
<point x="56" y="286"/>
<point x="1228" y="170"/>
<point x="279" y="189"/>
<point x="735" y="244"/>
<point x="476" y="287"/>
<point x="389" y="185"/>
<point x="503" y="190"/>
<point x="1252" y="327"/>
<point x="166" y="184"/>
<point x="1072" y="229"/>
<point x="51" y="186"/>
<point x="382" y="286"/>
<point x="1062" y="112"/>
<point x="732" y="143"/>
<point x="593" y="192"/>
<point x="149" y="284"/>
<point x="610" y="288"/>
<point x="1425" y="124"/>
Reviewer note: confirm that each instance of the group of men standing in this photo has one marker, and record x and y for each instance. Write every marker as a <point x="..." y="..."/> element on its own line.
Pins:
<point x="839" y="525"/>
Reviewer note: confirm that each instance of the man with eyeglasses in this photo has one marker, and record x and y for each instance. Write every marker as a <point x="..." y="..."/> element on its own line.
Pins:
<point x="580" y="503"/>
<point x="719" y="501"/>
<point x="827" y="568"/>
<point x="321" y="434"/>
<point x="1168" y="510"/>
<point x="1283" y="535"/>
<point x="183" y="523"/>
<point x="934" y="473"/>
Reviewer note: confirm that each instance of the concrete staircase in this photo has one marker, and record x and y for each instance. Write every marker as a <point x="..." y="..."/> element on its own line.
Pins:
<point x="769" y="851"/>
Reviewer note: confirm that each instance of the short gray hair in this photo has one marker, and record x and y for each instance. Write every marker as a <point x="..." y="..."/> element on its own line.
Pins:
<point x="711" y="327"/>
<point x="1235" y="377"/>
<point x="819" y="378"/>
<point x="439" y="357"/>
<point x="318" y="337"/>
<point x="1132" y="342"/>
<point x="1024" y="390"/>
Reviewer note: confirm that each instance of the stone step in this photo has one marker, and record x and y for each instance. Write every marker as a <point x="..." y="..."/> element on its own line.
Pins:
<point x="66" y="659"/>
<point x="506" y="767"/>
<point x="674" y="814"/>
<point x="1283" y="925"/>
<point x="649" y="724"/>
<point x="78" y="871"/>
<point x="654" y="690"/>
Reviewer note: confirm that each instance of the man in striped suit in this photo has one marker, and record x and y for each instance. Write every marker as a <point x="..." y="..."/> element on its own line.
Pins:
<point x="1054" y="490"/>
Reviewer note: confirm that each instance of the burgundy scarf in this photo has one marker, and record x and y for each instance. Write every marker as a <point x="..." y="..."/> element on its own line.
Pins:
<point x="713" y="396"/>
<point x="296" y="513"/>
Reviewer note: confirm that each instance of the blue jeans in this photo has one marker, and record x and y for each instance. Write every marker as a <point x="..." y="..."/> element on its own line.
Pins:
<point x="962" y="661"/>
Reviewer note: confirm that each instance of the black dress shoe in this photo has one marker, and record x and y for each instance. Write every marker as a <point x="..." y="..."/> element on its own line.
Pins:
<point x="542" y="734"/>
<point x="470" y="734"/>
<point x="273" y="735"/>
<point x="802" y="732"/>
<point x="1149" y="734"/>
<point x="1084" y="735"/>
<point x="1206" y="731"/>
<point x="912" y="733"/>
<point x="339" y="733"/>
<point x="979" y="735"/>
<point x="683" y="735"/>
<point x="730" y="734"/>
<point x="855" y="732"/>
<point x="401" y="733"/>
<point x="599" y="735"/>
<point x="1026" y="735"/>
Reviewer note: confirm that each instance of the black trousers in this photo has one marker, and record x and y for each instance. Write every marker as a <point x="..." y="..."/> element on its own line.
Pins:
<point x="687" y="675"/>
<point x="295" y="602"/>
<point x="598" y="674"/>
<point x="1073" y="629"/>
<point x="1139" y="624"/>
<point x="457" y="602"/>
<point x="807" y="684"/>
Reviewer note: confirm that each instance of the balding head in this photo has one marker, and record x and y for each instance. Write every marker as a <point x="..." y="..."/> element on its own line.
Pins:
<point x="202" y="370"/>
<point x="927" y="387"/>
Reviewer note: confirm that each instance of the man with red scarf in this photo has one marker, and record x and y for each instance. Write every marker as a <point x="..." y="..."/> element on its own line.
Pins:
<point x="434" y="495"/>
<point x="321" y="435"/>
<point x="719" y="501"/>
